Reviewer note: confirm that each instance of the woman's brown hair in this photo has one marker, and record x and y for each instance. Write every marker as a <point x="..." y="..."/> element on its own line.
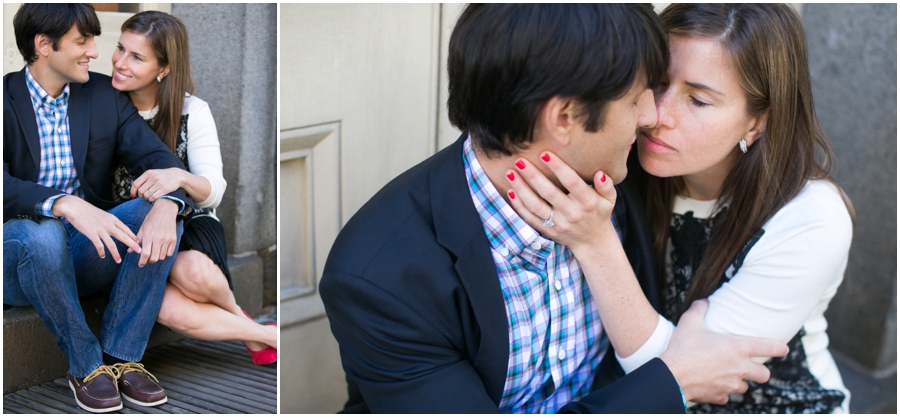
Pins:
<point x="168" y="37"/>
<point x="767" y="47"/>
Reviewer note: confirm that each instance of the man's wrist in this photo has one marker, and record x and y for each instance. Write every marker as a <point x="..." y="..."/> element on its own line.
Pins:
<point x="60" y="204"/>
<point x="168" y="204"/>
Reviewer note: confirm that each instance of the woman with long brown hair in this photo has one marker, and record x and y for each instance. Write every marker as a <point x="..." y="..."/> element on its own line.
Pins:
<point x="152" y="66"/>
<point x="742" y="206"/>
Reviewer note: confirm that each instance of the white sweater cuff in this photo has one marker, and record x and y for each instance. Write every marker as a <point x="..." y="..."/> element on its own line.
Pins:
<point x="653" y="347"/>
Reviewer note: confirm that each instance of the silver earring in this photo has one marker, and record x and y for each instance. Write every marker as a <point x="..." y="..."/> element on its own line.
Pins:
<point x="159" y="80"/>
<point x="743" y="144"/>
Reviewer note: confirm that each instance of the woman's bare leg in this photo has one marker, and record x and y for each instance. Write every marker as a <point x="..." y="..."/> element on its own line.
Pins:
<point x="200" y="280"/>
<point x="209" y="322"/>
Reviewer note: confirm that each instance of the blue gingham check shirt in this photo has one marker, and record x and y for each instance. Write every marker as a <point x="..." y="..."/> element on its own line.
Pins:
<point x="57" y="168"/>
<point x="555" y="334"/>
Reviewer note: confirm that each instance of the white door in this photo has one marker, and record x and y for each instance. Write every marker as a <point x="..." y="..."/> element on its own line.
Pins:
<point x="359" y="105"/>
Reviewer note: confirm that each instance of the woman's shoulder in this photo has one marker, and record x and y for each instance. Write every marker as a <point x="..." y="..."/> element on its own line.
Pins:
<point x="192" y="104"/>
<point x="818" y="205"/>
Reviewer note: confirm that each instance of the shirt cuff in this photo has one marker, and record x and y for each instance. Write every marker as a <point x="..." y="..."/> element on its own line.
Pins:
<point x="683" y="400"/>
<point x="654" y="346"/>
<point x="45" y="208"/>
<point x="182" y="208"/>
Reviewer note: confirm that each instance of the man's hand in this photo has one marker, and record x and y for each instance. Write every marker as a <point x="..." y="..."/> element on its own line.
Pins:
<point x="710" y="366"/>
<point x="96" y="225"/>
<point x="157" y="235"/>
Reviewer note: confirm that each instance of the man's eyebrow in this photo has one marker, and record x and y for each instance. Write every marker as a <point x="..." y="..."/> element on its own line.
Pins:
<point x="700" y="86"/>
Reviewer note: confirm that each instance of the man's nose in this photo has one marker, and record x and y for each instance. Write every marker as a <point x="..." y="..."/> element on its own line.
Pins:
<point x="648" y="116"/>
<point x="92" y="49"/>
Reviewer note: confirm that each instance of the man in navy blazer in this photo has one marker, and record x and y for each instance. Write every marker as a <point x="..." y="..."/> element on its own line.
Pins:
<point x="411" y="285"/>
<point x="64" y="128"/>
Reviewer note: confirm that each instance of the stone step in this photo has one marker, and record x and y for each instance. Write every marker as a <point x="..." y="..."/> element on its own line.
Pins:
<point x="30" y="354"/>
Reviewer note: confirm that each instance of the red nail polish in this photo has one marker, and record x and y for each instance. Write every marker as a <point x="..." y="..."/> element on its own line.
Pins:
<point x="520" y="164"/>
<point x="511" y="194"/>
<point x="546" y="157"/>
<point x="603" y="178"/>
<point x="511" y="176"/>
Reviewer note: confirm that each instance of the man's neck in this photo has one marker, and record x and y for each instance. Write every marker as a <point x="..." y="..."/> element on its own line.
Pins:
<point x="47" y="79"/>
<point x="497" y="164"/>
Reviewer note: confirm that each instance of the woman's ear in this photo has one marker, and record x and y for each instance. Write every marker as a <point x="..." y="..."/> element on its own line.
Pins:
<point x="164" y="72"/>
<point x="556" y="119"/>
<point x="757" y="128"/>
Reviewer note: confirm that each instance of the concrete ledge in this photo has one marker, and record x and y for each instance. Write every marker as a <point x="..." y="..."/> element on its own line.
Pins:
<point x="869" y="394"/>
<point x="30" y="354"/>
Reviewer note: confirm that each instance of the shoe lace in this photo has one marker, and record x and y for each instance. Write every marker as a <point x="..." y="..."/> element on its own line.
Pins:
<point x="103" y="369"/>
<point x="126" y="367"/>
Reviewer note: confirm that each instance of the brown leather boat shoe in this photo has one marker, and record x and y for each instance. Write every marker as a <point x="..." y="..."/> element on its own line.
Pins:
<point x="139" y="386"/>
<point x="97" y="392"/>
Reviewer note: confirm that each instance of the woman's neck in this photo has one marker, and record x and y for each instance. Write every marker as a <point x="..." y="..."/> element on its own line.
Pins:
<point x="706" y="185"/>
<point x="143" y="99"/>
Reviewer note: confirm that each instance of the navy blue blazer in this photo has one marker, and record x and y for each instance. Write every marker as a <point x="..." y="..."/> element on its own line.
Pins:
<point x="414" y="301"/>
<point x="104" y="127"/>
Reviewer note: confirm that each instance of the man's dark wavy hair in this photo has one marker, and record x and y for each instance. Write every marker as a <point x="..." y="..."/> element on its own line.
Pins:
<point x="53" y="20"/>
<point x="507" y="60"/>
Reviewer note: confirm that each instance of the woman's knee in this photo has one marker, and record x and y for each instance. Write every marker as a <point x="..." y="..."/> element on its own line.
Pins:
<point x="192" y="272"/>
<point x="175" y="311"/>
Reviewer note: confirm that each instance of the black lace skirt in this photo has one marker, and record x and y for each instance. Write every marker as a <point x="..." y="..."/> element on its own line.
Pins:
<point x="205" y="234"/>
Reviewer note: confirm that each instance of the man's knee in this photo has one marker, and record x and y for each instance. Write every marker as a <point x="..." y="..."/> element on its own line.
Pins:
<point x="49" y="238"/>
<point x="132" y="212"/>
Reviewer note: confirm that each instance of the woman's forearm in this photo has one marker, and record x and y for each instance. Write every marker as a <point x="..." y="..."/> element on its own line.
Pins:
<point x="628" y="317"/>
<point x="197" y="187"/>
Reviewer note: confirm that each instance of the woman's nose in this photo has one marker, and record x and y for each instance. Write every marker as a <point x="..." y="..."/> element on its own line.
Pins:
<point x="663" y="115"/>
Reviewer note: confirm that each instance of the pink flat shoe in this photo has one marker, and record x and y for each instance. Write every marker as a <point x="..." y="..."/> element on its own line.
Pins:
<point x="263" y="356"/>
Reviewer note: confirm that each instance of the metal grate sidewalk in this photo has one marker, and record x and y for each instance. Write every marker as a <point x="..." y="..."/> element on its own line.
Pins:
<point x="199" y="377"/>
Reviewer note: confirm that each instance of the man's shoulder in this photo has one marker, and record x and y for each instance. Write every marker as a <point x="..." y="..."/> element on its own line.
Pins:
<point x="397" y="223"/>
<point x="99" y="83"/>
<point x="99" y="79"/>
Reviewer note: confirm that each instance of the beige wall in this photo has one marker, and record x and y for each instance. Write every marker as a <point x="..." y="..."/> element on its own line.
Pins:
<point x="110" y="23"/>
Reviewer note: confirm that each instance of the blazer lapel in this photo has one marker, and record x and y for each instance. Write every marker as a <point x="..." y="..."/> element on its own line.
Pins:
<point x="25" y="114"/>
<point x="458" y="228"/>
<point x="79" y="123"/>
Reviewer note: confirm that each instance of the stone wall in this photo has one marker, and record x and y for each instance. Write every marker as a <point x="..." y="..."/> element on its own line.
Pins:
<point x="853" y="64"/>
<point x="234" y="57"/>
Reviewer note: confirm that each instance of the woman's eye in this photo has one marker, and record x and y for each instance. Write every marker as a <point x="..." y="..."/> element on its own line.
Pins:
<point x="138" y="58"/>
<point x="698" y="103"/>
<point x="120" y="48"/>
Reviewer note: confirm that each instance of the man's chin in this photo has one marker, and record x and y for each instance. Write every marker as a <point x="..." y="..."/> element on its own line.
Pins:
<point x="82" y="78"/>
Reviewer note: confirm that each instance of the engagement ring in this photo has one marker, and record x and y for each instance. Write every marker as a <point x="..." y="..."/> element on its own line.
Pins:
<point x="549" y="221"/>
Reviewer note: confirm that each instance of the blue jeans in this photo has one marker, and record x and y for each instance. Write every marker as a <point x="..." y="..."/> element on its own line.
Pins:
<point x="50" y="264"/>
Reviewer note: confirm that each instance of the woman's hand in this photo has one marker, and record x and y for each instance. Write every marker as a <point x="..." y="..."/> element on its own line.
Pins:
<point x="579" y="217"/>
<point x="155" y="183"/>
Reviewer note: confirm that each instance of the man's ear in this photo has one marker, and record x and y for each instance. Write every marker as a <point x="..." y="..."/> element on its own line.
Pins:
<point x="557" y="118"/>
<point x="757" y="128"/>
<point x="42" y="45"/>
